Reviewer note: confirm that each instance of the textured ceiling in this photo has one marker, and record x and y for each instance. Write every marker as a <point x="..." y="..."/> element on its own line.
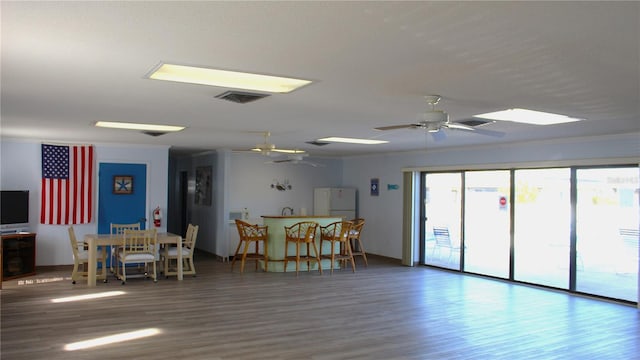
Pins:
<point x="66" y="65"/>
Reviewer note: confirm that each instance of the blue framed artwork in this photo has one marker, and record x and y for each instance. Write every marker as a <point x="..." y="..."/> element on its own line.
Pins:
<point x="123" y="184"/>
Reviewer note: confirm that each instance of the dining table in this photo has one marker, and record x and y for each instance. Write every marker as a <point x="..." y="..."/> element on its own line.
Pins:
<point x="94" y="241"/>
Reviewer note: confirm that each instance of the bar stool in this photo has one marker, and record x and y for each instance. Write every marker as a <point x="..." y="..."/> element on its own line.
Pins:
<point x="303" y="232"/>
<point x="249" y="234"/>
<point x="338" y="233"/>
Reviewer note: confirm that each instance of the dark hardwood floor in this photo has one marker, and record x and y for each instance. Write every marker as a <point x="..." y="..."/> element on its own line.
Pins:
<point x="385" y="311"/>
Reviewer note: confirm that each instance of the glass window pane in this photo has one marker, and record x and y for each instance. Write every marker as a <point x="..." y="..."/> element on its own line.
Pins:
<point x="607" y="220"/>
<point x="542" y="226"/>
<point x="487" y="222"/>
<point x="443" y="199"/>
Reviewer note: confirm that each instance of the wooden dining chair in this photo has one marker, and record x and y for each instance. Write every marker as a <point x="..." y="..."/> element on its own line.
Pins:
<point x="302" y="233"/>
<point x="170" y="253"/>
<point x="81" y="259"/>
<point x="117" y="230"/>
<point x="355" y="242"/>
<point x="251" y="234"/>
<point x="138" y="247"/>
<point x="337" y="234"/>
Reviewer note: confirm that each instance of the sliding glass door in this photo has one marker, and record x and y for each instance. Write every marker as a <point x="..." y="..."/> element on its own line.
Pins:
<point x="442" y="207"/>
<point x="607" y="220"/>
<point x="487" y="222"/>
<point x="542" y="226"/>
<point x="567" y="228"/>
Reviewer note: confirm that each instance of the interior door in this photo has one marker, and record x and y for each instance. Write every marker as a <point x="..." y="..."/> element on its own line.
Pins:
<point x="116" y="204"/>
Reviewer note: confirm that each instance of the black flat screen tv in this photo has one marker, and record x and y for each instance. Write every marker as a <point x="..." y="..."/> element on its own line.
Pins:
<point x="14" y="207"/>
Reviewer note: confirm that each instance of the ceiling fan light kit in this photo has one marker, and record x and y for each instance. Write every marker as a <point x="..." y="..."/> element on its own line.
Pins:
<point x="435" y="116"/>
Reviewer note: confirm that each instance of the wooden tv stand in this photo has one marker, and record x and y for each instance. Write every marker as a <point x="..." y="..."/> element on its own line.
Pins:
<point x="17" y="255"/>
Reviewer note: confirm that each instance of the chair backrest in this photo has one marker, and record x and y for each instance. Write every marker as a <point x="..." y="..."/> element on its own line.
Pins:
<point x="304" y="231"/>
<point x="630" y="237"/>
<point x="442" y="236"/>
<point x="251" y="232"/>
<point x="337" y="231"/>
<point x="118" y="229"/>
<point x="74" y="242"/>
<point x="140" y="241"/>
<point x="356" y="229"/>
<point x="190" y="238"/>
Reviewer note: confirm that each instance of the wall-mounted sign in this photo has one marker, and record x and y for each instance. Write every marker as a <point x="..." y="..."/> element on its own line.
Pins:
<point x="375" y="187"/>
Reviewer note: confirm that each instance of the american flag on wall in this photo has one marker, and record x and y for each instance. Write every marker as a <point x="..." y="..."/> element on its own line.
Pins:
<point x="67" y="184"/>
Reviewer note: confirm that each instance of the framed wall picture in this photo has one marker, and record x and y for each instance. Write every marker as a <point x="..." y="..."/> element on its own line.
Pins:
<point x="204" y="185"/>
<point x="123" y="184"/>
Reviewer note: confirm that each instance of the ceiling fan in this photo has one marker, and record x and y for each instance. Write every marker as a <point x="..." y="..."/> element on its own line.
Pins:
<point x="268" y="149"/>
<point x="295" y="159"/>
<point x="436" y="120"/>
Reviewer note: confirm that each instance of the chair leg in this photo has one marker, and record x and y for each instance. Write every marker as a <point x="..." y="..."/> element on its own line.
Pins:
<point x="192" y="267"/>
<point x="297" y="257"/>
<point x="286" y="246"/>
<point x="266" y="257"/>
<point x="353" y="262"/>
<point x="308" y="258"/>
<point x="235" y="255"/>
<point x="256" y="253"/>
<point x="333" y="255"/>
<point x="123" y="277"/>
<point x="318" y="260"/>
<point x="364" y="255"/>
<point x="74" y="272"/>
<point x="244" y="256"/>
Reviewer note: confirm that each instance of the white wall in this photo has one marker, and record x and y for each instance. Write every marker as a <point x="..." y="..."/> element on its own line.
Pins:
<point x="20" y="169"/>
<point x="248" y="181"/>
<point x="248" y="185"/>
<point x="382" y="233"/>
<point x="251" y="178"/>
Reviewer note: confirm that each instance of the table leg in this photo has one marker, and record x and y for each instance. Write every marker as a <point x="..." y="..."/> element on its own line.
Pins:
<point x="92" y="266"/>
<point x="179" y="253"/>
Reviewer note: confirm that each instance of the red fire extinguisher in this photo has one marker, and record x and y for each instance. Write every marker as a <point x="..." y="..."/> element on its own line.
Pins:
<point x="157" y="217"/>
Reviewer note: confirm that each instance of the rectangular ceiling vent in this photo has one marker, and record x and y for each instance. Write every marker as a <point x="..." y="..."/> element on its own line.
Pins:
<point x="240" y="97"/>
<point x="475" y="122"/>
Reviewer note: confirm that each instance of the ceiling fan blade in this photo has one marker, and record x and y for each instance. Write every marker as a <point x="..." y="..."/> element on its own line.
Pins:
<point x="493" y="133"/>
<point x="289" y="151"/>
<point x="458" y="126"/>
<point x="394" y="127"/>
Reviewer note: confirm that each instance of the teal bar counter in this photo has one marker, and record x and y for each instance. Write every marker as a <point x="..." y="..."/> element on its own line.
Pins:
<point x="276" y="239"/>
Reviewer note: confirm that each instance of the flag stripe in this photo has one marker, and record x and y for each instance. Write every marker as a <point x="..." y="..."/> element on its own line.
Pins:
<point x="67" y="184"/>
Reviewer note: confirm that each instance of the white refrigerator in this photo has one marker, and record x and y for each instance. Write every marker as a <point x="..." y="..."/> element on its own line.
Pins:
<point x="335" y="202"/>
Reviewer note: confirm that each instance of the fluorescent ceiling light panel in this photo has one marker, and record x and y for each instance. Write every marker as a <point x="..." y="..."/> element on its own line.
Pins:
<point x="527" y="117"/>
<point x="353" y="140"/>
<point x="225" y="78"/>
<point x="134" y="126"/>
